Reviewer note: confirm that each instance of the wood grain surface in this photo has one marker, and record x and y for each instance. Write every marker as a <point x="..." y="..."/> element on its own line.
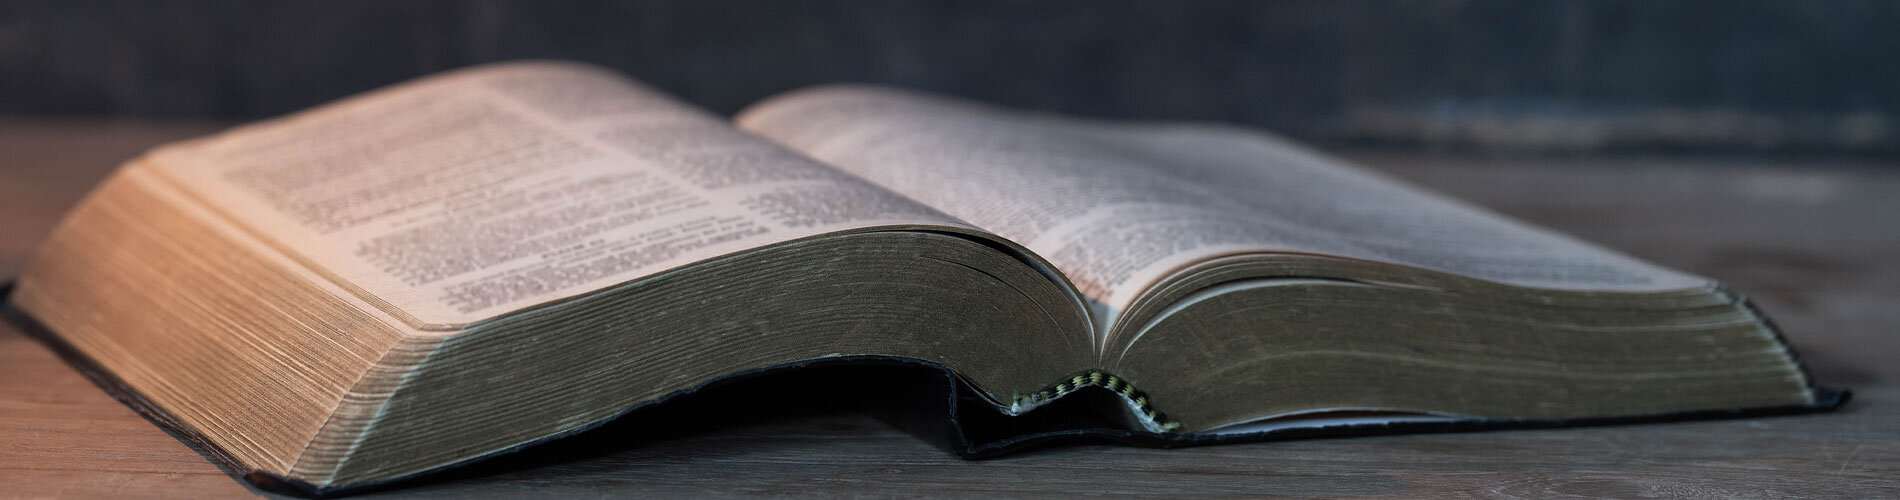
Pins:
<point x="1815" y="243"/>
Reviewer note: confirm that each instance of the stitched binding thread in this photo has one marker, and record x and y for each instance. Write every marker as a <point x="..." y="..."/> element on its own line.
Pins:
<point x="1098" y="378"/>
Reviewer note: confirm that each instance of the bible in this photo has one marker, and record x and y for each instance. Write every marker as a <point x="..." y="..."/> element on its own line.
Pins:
<point x="458" y="266"/>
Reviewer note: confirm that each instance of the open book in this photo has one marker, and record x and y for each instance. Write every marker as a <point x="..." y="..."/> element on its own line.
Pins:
<point x="450" y="268"/>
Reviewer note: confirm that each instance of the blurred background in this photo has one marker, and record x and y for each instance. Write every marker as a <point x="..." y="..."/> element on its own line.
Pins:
<point x="1742" y="77"/>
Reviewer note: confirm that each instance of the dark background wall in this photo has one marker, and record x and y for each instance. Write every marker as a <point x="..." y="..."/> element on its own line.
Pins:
<point x="1726" y="76"/>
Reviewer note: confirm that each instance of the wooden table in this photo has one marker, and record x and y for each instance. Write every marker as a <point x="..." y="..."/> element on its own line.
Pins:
<point x="1817" y="243"/>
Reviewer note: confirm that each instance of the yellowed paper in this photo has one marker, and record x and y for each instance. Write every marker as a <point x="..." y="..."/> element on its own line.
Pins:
<point x="460" y="197"/>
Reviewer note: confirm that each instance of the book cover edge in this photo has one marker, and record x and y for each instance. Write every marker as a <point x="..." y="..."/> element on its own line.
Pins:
<point x="957" y="398"/>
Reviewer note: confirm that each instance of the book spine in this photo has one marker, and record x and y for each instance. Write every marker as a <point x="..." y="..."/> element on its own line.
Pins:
<point x="1150" y="418"/>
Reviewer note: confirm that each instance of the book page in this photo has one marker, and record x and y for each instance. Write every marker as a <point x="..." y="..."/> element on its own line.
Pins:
<point x="1117" y="207"/>
<point x="461" y="197"/>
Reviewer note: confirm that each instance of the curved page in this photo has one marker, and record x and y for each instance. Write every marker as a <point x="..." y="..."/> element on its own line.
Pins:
<point x="462" y="197"/>
<point x="1120" y="207"/>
